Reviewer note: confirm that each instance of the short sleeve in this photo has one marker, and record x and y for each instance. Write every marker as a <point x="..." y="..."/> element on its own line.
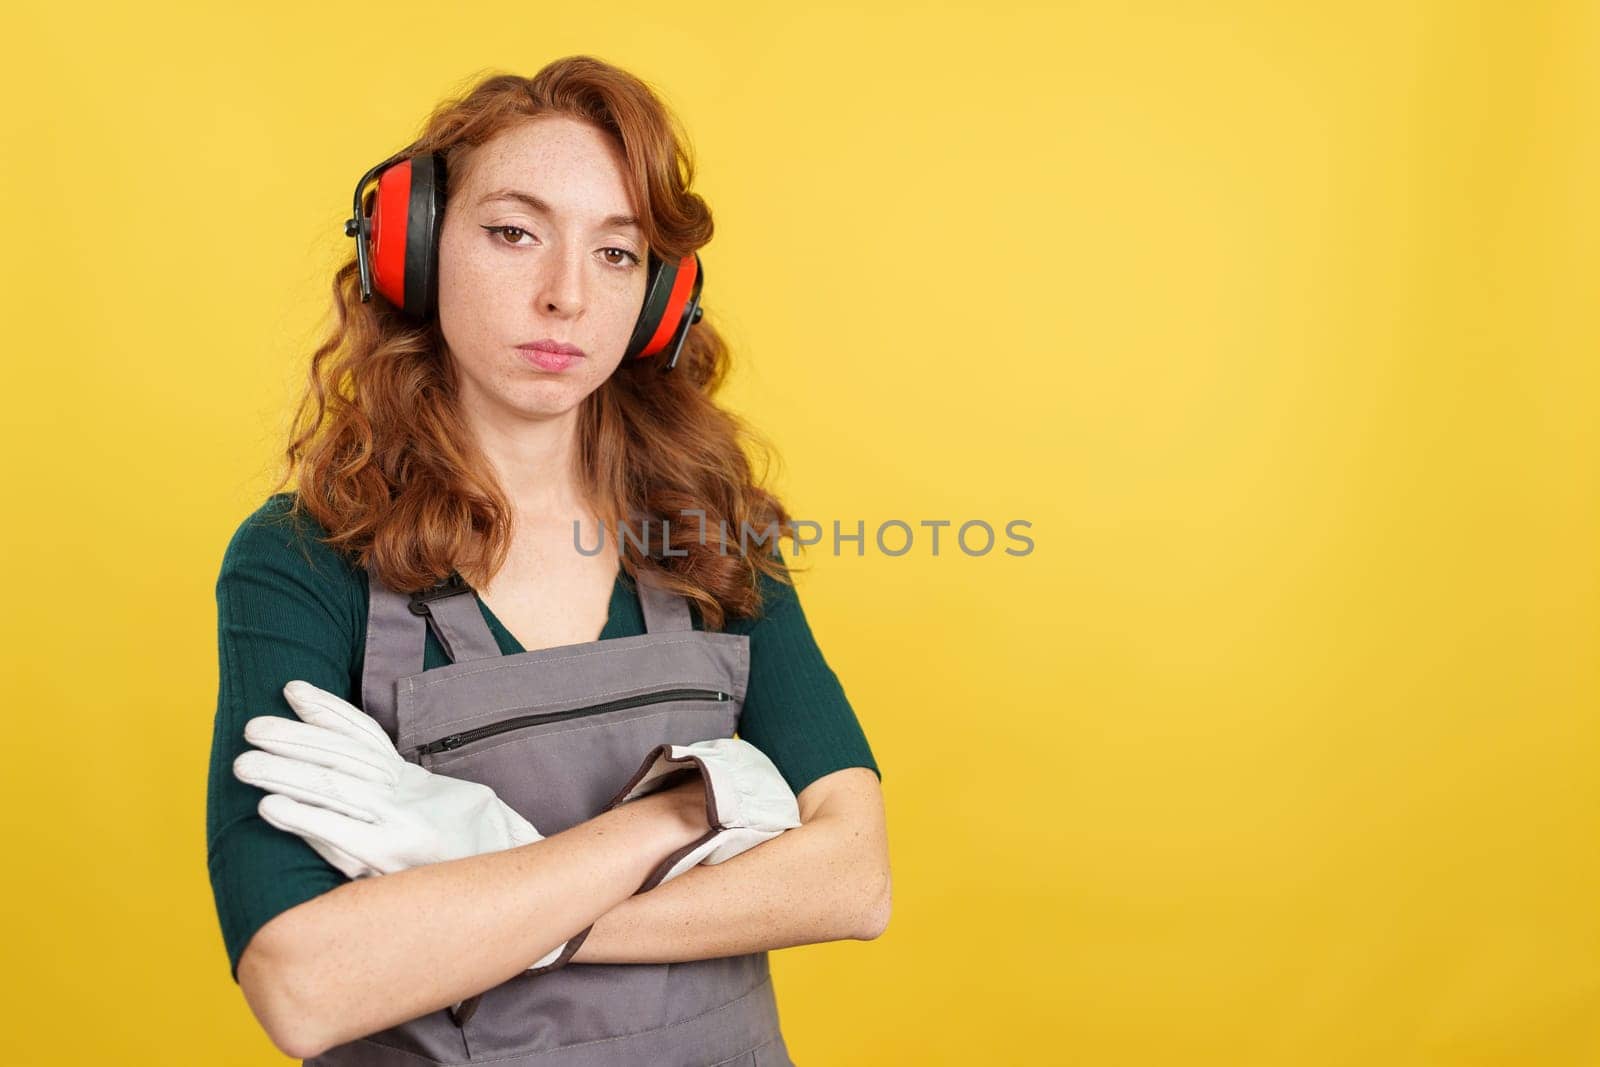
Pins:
<point x="795" y="707"/>
<point x="285" y="610"/>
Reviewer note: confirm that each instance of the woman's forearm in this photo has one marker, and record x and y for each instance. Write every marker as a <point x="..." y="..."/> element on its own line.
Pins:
<point x="809" y="884"/>
<point x="379" y="951"/>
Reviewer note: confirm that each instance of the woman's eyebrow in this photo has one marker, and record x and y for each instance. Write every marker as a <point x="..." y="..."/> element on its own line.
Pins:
<point x="533" y="202"/>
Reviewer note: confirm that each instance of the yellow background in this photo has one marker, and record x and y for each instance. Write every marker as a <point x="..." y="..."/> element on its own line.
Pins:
<point x="1275" y="321"/>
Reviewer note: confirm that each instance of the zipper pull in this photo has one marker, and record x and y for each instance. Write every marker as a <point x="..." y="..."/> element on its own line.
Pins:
<point x="453" y="741"/>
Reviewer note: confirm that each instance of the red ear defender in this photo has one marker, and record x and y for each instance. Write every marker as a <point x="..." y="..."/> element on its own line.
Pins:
<point x="671" y="306"/>
<point x="397" y="253"/>
<point x="397" y="248"/>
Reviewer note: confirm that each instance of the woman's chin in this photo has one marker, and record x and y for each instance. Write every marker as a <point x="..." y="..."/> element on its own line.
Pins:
<point x="547" y="399"/>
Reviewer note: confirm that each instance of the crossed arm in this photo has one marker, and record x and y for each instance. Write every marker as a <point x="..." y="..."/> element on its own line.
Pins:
<point x="377" y="951"/>
<point x="825" y="880"/>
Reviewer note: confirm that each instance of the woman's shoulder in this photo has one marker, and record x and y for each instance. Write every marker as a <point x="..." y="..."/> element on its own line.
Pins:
<point x="278" y="544"/>
<point x="275" y="530"/>
<point x="779" y="603"/>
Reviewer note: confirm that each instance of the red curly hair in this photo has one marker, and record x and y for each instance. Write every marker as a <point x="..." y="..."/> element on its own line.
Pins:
<point x="387" y="467"/>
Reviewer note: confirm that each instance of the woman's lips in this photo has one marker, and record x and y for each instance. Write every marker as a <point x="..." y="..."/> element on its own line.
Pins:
<point x="546" y="360"/>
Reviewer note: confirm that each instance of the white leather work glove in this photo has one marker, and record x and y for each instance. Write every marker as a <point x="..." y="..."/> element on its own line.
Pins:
<point x="748" y="801"/>
<point x="335" y="779"/>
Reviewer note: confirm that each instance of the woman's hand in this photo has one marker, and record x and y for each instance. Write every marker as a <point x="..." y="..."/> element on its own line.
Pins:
<point x="687" y="804"/>
<point x="735" y="798"/>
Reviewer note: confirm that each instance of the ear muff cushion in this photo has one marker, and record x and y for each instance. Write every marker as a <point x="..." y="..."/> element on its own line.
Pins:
<point x="424" y="218"/>
<point x="664" y="304"/>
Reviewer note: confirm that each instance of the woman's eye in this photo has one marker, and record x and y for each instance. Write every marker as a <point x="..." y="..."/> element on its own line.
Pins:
<point x="631" y="259"/>
<point x="511" y="231"/>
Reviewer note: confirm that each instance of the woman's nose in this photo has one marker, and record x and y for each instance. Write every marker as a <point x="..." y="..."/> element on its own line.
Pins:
<point x="561" y="284"/>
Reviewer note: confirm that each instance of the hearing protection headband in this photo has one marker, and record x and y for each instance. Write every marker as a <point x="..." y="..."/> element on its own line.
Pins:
<point x="397" y="252"/>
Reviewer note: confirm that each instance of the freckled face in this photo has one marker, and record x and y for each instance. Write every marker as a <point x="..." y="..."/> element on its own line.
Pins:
<point x="563" y="266"/>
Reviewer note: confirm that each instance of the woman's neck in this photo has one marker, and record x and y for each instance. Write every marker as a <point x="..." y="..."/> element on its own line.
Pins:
<point x="533" y="460"/>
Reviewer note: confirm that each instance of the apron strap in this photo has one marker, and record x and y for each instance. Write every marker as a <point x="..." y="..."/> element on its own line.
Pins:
<point x="397" y="634"/>
<point x="451" y="608"/>
<point x="664" y="610"/>
<point x="394" y="650"/>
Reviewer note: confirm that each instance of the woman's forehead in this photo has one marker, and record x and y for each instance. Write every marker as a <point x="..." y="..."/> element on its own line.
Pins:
<point x="550" y="158"/>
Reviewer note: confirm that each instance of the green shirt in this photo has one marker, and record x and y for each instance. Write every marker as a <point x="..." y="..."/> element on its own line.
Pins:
<point x="288" y="607"/>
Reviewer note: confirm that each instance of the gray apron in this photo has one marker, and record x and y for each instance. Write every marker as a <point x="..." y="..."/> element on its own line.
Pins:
<point x="557" y="733"/>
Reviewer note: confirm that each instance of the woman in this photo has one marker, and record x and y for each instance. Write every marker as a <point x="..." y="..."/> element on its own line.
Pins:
<point x="532" y="364"/>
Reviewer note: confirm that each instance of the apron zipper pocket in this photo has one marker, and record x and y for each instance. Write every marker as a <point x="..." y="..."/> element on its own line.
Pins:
<point x="445" y="744"/>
